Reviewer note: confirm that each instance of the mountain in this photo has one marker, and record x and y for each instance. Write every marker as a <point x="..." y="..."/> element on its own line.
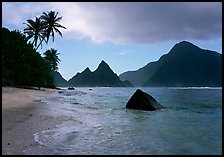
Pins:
<point x="103" y="76"/>
<point x="59" y="81"/>
<point x="139" y="76"/>
<point x="127" y="83"/>
<point x="184" y="65"/>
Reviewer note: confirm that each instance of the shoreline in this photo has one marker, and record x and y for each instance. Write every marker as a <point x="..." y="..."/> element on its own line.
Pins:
<point x="68" y="123"/>
<point x="23" y="114"/>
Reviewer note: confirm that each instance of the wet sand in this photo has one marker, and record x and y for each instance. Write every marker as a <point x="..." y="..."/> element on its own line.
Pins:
<point x="23" y="114"/>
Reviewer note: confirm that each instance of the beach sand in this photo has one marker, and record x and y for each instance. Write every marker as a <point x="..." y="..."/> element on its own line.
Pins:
<point x="23" y="114"/>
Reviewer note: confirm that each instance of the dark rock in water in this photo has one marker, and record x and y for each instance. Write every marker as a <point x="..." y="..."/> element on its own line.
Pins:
<point x="71" y="88"/>
<point x="143" y="101"/>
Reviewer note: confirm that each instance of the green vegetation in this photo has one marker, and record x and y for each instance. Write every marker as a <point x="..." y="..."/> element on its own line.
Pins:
<point x="22" y="65"/>
<point x="51" y="25"/>
<point x="35" y="30"/>
<point x="51" y="56"/>
<point x="43" y="27"/>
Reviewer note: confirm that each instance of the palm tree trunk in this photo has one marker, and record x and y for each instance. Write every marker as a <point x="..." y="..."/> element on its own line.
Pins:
<point x="38" y="45"/>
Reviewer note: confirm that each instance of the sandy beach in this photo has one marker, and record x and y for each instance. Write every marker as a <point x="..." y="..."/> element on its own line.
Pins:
<point x="23" y="114"/>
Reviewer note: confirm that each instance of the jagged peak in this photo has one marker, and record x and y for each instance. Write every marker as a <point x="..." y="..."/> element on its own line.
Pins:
<point x="86" y="70"/>
<point x="103" y="66"/>
<point x="103" y="62"/>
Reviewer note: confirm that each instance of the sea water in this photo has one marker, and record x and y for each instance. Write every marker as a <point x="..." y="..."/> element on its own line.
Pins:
<point x="97" y="122"/>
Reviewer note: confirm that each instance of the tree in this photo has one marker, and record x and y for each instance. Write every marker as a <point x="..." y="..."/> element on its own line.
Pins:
<point x="21" y="64"/>
<point x="43" y="27"/>
<point x="51" y="56"/>
<point x="50" y="21"/>
<point x="36" y="30"/>
<point x="41" y="30"/>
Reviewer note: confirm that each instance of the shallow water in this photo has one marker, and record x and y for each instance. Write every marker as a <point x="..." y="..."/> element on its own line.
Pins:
<point x="97" y="122"/>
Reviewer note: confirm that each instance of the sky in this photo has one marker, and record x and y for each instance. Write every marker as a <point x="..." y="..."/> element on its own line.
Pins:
<point x="126" y="35"/>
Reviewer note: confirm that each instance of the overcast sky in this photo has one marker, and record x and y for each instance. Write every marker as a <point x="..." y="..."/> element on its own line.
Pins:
<point x="126" y="35"/>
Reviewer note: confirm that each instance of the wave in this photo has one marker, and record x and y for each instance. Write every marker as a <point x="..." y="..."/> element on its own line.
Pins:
<point x="194" y="87"/>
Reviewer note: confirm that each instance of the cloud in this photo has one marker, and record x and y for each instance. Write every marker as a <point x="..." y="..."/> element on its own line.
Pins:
<point x="124" y="52"/>
<point x="17" y="13"/>
<point x="134" y="22"/>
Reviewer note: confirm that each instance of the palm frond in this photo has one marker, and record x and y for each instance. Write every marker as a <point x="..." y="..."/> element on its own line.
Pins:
<point x="58" y="32"/>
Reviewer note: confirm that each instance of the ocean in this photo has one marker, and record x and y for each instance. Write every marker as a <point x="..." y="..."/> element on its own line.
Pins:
<point x="96" y="121"/>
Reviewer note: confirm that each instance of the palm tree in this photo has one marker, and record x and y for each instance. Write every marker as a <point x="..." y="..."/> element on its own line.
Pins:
<point x="35" y="29"/>
<point x="43" y="27"/>
<point x="50" y="21"/>
<point x="51" y="56"/>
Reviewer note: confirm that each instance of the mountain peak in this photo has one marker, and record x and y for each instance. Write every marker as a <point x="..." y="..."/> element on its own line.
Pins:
<point x="103" y="76"/>
<point x="103" y="62"/>
<point x="87" y="70"/>
<point x="184" y="47"/>
<point x="184" y="44"/>
<point x="103" y="65"/>
<point x="104" y="68"/>
<point x="184" y="65"/>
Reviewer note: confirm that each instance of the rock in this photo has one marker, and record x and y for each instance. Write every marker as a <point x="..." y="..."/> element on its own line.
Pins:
<point x="71" y="88"/>
<point x="143" y="101"/>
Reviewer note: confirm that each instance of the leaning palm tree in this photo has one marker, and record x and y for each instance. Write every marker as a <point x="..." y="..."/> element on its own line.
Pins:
<point x="51" y="56"/>
<point x="35" y="29"/>
<point x="50" y="21"/>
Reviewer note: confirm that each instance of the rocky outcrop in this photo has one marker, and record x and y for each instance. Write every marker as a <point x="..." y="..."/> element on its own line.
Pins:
<point x="71" y="88"/>
<point x="103" y="76"/>
<point x="143" y="101"/>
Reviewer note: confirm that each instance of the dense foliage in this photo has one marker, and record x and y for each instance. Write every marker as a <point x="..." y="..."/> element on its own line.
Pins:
<point x="51" y="56"/>
<point x="21" y="64"/>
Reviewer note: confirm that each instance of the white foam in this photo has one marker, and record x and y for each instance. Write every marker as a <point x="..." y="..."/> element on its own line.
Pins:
<point x="37" y="139"/>
<point x="194" y="87"/>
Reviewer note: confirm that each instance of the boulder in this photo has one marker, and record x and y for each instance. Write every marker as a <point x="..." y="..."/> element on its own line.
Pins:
<point x="143" y="101"/>
<point x="71" y="88"/>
